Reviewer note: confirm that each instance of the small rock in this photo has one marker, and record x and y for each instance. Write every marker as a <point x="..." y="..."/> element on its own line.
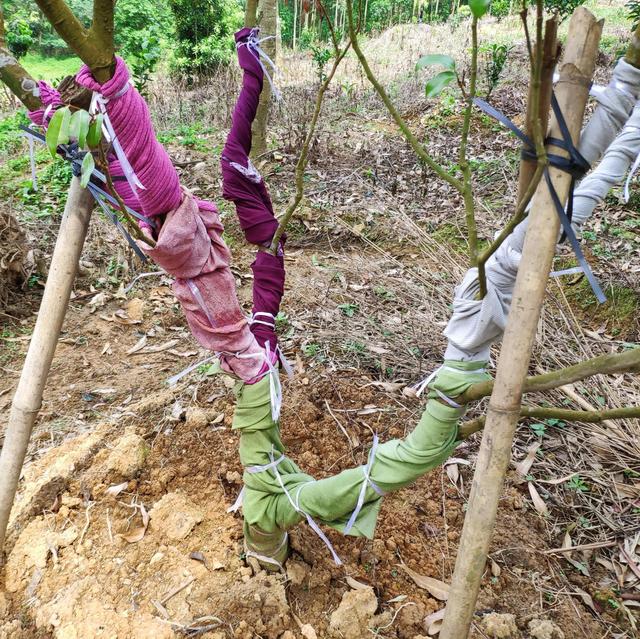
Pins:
<point x="159" y="556"/>
<point x="197" y="418"/>
<point x="287" y="634"/>
<point x="354" y="614"/>
<point x="544" y="629"/>
<point x="175" y="516"/>
<point x="500" y="626"/>
<point x="128" y="456"/>
<point x="234" y="477"/>
<point x="297" y="571"/>
<point x="308" y="631"/>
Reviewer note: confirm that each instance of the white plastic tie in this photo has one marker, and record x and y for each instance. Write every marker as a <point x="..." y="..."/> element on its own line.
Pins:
<point x="366" y="469"/>
<point x="237" y="504"/>
<point x="421" y="386"/>
<point x="99" y="105"/>
<point x="250" y="172"/>
<point x="253" y="44"/>
<point x="273" y="465"/>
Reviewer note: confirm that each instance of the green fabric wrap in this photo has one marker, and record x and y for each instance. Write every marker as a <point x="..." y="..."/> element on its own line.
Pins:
<point x="396" y="464"/>
<point x="452" y="384"/>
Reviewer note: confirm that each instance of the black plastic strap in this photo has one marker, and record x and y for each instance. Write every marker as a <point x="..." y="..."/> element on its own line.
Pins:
<point x="74" y="156"/>
<point x="575" y="165"/>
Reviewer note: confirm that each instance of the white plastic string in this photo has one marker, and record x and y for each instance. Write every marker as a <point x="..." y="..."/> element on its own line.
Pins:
<point x="253" y="43"/>
<point x="366" y="482"/>
<point x="269" y="560"/>
<point x="99" y="104"/>
<point x="421" y="386"/>
<point x="273" y="465"/>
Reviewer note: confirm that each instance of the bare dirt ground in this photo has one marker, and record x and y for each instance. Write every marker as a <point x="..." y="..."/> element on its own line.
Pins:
<point x="121" y="529"/>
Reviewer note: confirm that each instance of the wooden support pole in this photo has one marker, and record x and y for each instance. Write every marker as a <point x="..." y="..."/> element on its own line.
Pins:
<point x="28" y="397"/>
<point x="504" y="407"/>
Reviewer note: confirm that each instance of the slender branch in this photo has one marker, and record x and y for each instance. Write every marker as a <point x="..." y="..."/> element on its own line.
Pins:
<point x="102" y="25"/>
<point x="543" y="56"/>
<point x="14" y="75"/>
<point x="566" y="414"/>
<point x="417" y="147"/>
<point x="609" y="364"/>
<point x="303" y="158"/>
<point x="467" y="189"/>
<point x="130" y="222"/>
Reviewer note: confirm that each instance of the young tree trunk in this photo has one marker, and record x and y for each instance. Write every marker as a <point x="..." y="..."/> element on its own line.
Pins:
<point x="550" y="52"/>
<point x="28" y="397"/>
<point x="268" y="21"/>
<point x="504" y="407"/>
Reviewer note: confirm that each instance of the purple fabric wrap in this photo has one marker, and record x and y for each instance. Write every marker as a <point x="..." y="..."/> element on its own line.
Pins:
<point x="250" y="195"/>
<point x="49" y="97"/>
<point x="131" y="121"/>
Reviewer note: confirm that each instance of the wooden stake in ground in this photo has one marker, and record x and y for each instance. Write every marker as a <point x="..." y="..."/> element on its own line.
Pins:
<point x="95" y="48"/>
<point x="504" y="408"/>
<point x="28" y="396"/>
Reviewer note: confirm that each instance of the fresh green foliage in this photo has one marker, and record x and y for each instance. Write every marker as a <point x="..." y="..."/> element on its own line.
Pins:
<point x="141" y="26"/>
<point x="500" y="8"/>
<point x="479" y="7"/>
<point x="10" y="131"/>
<point x="321" y="55"/>
<point x="439" y="82"/>
<point x="349" y="309"/>
<point x="578" y="484"/>
<point x="495" y="58"/>
<point x="562" y="8"/>
<point x="79" y="127"/>
<point x="204" y="32"/>
<point x="633" y="10"/>
<point x="18" y="36"/>
<point x="538" y="428"/>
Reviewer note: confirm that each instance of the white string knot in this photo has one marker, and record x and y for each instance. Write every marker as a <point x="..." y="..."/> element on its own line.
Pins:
<point x="367" y="481"/>
<point x="253" y="43"/>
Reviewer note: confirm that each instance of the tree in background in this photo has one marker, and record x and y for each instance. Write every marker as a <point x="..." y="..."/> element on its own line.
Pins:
<point x="142" y="32"/>
<point x="204" y="31"/>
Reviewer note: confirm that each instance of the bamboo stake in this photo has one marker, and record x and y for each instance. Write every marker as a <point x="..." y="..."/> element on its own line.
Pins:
<point x="504" y="406"/>
<point x="28" y="397"/>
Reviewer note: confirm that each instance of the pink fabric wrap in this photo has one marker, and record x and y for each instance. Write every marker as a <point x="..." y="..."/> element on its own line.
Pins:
<point x="131" y="121"/>
<point x="189" y="242"/>
<point x="190" y="247"/>
<point x="49" y="97"/>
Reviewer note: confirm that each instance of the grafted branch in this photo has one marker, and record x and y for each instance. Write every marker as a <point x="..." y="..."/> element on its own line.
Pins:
<point x="537" y="412"/>
<point x="415" y="144"/>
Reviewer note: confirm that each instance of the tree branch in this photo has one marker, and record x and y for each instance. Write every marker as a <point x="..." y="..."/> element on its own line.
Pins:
<point x="15" y="76"/>
<point x="417" y="147"/>
<point x="609" y="364"/>
<point x="303" y="159"/>
<point x="566" y="414"/>
<point x="467" y="189"/>
<point x="93" y="46"/>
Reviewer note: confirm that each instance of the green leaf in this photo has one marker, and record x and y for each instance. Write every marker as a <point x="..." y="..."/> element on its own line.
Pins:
<point x="79" y="127"/>
<point x="435" y="86"/>
<point x="88" y="164"/>
<point x="479" y="7"/>
<point x="436" y="58"/>
<point x="57" y="129"/>
<point x="94" y="134"/>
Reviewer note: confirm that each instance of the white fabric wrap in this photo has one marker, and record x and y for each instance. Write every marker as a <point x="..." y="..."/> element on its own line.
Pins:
<point x="610" y="172"/>
<point x="476" y="324"/>
<point x="615" y="103"/>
